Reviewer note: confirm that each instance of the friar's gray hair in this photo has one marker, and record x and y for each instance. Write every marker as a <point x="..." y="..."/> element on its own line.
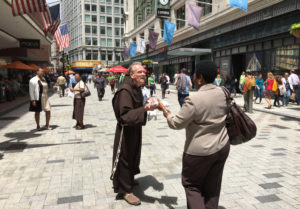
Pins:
<point x="131" y="70"/>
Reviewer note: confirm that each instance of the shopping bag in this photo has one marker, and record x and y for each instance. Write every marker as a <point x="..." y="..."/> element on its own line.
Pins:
<point x="71" y="94"/>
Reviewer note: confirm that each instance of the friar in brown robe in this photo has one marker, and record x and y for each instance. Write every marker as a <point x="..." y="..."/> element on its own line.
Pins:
<point x="131" y="114"/>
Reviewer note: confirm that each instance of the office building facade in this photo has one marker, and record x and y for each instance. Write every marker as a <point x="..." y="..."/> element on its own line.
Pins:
<point x="95" y="28"/>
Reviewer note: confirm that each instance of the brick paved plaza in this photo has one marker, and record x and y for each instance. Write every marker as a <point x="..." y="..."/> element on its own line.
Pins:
<point x="65" y="168"/>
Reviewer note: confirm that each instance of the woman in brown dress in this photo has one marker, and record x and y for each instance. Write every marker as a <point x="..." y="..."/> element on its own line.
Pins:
<point x="38" y="90"/>
<point x="79" y="102"/>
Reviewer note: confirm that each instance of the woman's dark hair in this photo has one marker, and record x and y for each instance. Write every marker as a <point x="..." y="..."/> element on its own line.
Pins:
<point x="207" y="69"/>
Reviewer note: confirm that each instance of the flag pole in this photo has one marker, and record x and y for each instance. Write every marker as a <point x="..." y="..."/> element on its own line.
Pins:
<point x="201" y="2"/>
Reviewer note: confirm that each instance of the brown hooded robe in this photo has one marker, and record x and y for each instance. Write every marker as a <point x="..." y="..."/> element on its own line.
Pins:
<point x="129" y="111"/>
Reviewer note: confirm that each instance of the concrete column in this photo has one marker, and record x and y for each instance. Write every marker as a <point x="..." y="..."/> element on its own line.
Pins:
<point x="83" y="54"/>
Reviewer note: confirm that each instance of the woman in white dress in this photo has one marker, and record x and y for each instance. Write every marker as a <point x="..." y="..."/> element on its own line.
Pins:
<point x="38" y="90"/>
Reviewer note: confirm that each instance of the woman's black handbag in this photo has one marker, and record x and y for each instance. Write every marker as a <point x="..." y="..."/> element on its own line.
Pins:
<point x="86" y="92"/>
<point x="240" y="127"/>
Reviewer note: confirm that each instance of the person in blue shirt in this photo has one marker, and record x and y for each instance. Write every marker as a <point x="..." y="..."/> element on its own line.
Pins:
<point x="259" y="88"/>
<point x="72" y="82"/>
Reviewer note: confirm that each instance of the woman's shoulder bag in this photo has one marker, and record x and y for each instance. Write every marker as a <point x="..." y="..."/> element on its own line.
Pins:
<point x="86" y="92"/>
<point x="240" y="127"/>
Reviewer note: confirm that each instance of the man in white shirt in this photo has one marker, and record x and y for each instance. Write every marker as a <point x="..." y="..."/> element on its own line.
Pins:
<point x="294" y="83"/>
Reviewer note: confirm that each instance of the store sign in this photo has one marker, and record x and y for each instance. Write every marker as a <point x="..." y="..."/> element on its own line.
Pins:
<point x="30" y="43"/>
<point x="287" y="58"/>
<point x="163" y="8"/>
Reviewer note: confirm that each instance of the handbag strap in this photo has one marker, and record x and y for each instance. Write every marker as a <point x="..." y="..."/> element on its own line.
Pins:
<point x="229" y="98"/>
<point x="115" y="165"/>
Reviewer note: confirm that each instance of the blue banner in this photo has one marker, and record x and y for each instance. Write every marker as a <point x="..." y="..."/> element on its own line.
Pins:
<point x="242" y="4"/>
<point x="132" y="49"/>
<point x="169" y="29"/>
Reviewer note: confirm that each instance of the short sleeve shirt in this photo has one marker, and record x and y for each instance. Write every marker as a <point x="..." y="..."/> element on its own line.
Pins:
<point x="79" y="85"/>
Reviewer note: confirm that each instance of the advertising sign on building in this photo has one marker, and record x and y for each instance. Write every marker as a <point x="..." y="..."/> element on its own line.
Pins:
<point x="254" y="61"/>
<point x="287" y="58"/>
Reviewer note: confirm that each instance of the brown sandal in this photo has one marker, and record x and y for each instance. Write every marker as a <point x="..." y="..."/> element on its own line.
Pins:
<point x="132" y="199"/>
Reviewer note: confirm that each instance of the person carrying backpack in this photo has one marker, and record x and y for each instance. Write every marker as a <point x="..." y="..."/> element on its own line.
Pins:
<point x="183" y="84"/>
<point x="249" y="87"/>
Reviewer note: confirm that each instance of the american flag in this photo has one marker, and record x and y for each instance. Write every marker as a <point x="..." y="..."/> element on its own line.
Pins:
<point x="55" y="14"/>
<point x="47" y="20"/>
<point x="62" y="37"/>
<point x="20" y="7"/>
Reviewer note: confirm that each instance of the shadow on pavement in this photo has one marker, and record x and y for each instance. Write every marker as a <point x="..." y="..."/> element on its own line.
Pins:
<point x="150" y="181"/>
<point x="61" y="105"/>
<point x="21" y="135"/>
<point x="87" y="126"/>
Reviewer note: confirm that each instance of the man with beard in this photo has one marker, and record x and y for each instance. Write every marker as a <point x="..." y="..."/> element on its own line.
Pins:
<point x="131" y="115"/>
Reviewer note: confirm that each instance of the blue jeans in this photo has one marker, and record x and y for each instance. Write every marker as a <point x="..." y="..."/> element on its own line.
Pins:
<point x="181" y="98"/>
<point x="297" y="99"/>
<point x="259" y="93"/>
<point x="286" y="97"/>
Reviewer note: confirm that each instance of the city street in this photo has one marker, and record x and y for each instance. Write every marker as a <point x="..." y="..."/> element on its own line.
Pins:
<point x="67" y="168"/>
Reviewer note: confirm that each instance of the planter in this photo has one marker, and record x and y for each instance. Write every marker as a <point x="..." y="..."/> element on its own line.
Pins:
<point x="296" y="32"/>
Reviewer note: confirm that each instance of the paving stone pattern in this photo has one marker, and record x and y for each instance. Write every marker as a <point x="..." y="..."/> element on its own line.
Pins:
<point x="68" y="168"/>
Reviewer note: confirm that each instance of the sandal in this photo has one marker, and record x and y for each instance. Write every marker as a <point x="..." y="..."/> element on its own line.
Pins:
<point x="132" y="199"/>
<point x="48" y="127"/>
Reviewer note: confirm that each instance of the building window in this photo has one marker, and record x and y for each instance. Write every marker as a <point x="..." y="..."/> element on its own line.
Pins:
<point x="103" y="56"/>
<point x="88" y="55"/>
<point x="102" y="9"/>
<point x="94" y="29"/>
<point x="117" y="10"/>
<point x="207" y="9"/>
<point x="109" y="10"/>
<point x="95" y="41"/>
<point x="142" y="35"/>
<point x="117" y="1"/>
<point x="88" y="41"/>
<point x="103" y="42"/>
<point x="94" y="18"/>
<point x="122" y="31"/>
<point x="102" y="19"/>
<point x="109" y="42"/>
<point x="87" y="29"/>
<point x="87" y="7"/>
<point x="122" y="21"/>
<point x="102" y="30"/>
<point x="87" y="18"/>
<point x="102" y="1"/>
<point x="117" y="20"/>
<point x="95" y="55"/>
<point x="109" y="20"/>
<point x="109" y="57"/>
<point x="117" y="42"/>
<point x="109" y="31"/>
<point x="94" y="8"/>
<point x="118" y="58"/>
<point x="180" y="14"/>
<point x="108" y="1"/>
<point x="117" y="32"/>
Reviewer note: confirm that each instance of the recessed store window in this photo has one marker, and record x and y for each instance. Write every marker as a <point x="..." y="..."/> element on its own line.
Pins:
<point x="87" y="18"/>
<point x="109" y="42"/>
<point x="117" y="20"/>
<point x="87" y="7"/>
<point x="102" y="30"/>
<point x="88" y="41"/>
<point x="180" y="16"/>
<point x="87" y="29"/>
<point x="94" y="8"/>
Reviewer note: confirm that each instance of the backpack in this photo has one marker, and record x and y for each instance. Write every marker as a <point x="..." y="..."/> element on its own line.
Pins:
<point x="181" y="82"/>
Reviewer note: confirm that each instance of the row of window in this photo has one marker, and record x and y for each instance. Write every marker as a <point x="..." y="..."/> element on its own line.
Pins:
<point x="93" y="55"/>
<point x="103" y="9"/>
<point x="103" y="42"/>
<point x="103" y="19"/>
<point x="104" y="30"/>
<point x="110" y="1"/>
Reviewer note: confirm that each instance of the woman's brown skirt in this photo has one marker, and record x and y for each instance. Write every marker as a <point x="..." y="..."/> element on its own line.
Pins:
<point x="78" y="109"/>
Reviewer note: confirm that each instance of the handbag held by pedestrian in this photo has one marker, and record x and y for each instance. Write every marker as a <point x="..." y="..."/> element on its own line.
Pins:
<point x="240" y="127"/>
<point x="86" y="92"/>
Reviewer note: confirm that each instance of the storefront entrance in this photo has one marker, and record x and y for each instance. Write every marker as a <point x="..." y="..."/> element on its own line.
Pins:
<point x="238" y="66"/>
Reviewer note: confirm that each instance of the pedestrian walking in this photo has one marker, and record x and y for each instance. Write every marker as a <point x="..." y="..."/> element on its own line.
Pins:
<point x="38" y="90"/>
<point x="168" y="83"/>
<point x="269" y="89"/>
<point x="131" y="116"/>
<point x="249" y="87"/>
<point x="294" y="83"/>
<point x="259" y="88"/>
<point x="61" y="82"/>
<point x="183" y="85"/>
<point x="287" y="95"/>
<point x="242" y="82"/>
<point x="218" y="81"/>
<point x="100" y="85"/>
<point x="72" y="81"/>
<point x="111" y="80"/>
<point x="207" y="142"/>
<point x="151" y="84"/>
<point x="163" y="84"/>
<point x="79" y="102"/>
<point x="276" y="91"/>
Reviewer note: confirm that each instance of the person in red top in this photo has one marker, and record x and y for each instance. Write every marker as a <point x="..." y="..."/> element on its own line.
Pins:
<point x="269" y="89"/>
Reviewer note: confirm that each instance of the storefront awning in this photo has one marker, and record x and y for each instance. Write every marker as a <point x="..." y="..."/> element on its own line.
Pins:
<point x="189" y="52"/>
